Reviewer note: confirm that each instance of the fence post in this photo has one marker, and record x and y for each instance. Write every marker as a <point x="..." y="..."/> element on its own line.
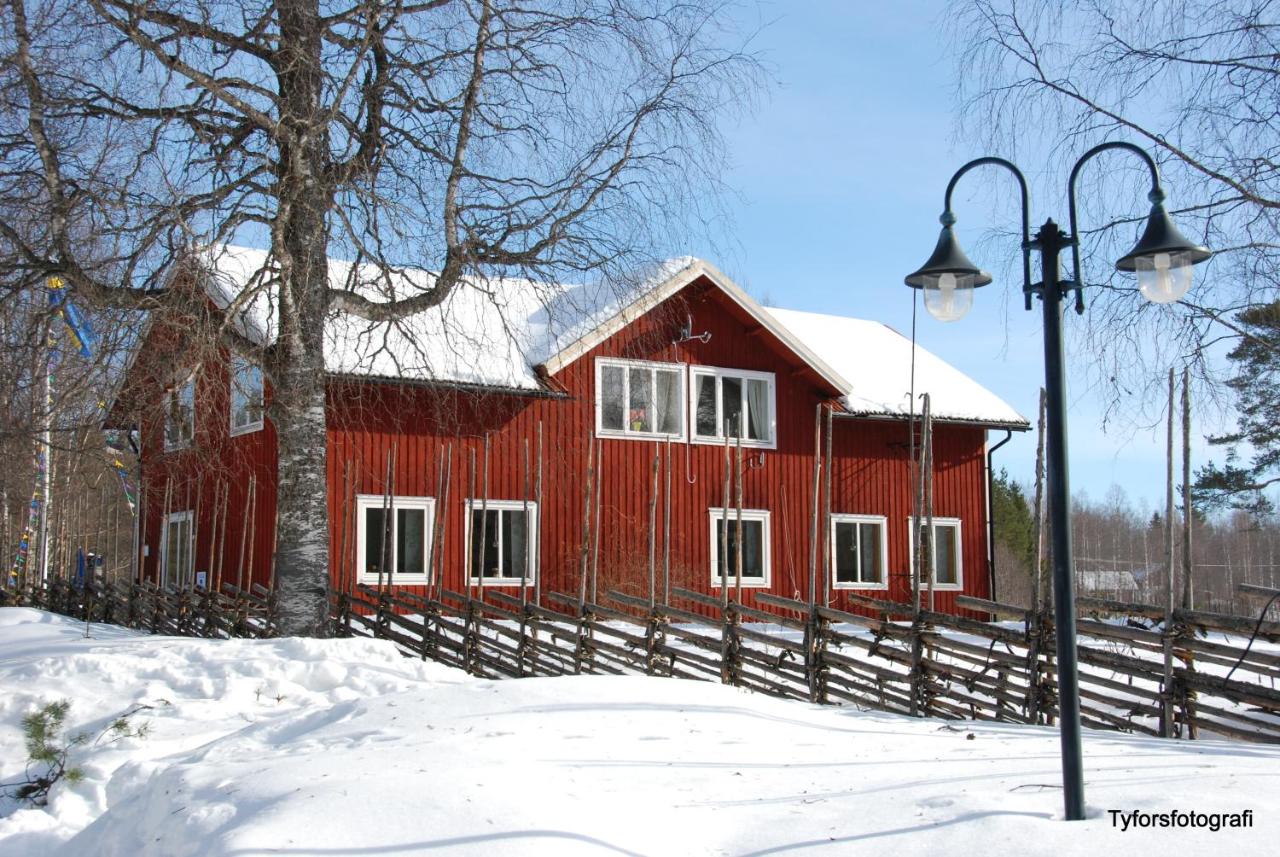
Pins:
<point x="815" y="643"/>
<point x="582" y="651"/>
<point x="729" y="644"/>
<point x="917" y="655"/>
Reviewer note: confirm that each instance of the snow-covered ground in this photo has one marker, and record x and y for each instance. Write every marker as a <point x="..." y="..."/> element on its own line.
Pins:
<point x="325" y="748"/>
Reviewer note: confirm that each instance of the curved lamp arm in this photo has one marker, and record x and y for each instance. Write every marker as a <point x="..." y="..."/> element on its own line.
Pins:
<point x="1155" y="196"/>
<point x="949" y="219"/>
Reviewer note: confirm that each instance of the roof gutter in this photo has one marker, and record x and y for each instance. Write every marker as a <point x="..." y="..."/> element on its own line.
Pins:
<point x="991" y="517"/>
<point x="448" y="385"/>
<point x="988" y="424"/>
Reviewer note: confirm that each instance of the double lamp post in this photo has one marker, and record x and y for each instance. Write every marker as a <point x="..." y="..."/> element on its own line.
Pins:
<point x="1162" y="261"/>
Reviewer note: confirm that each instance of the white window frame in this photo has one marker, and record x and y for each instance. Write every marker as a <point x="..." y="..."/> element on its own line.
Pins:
<point x="172" y="519"/>
<point x="379" y="501"/>
<point x="716" y="513"/>
<point x="954" y="523"/>
<point x="838" y="518"/>
<point x="168" y="410"/>
<point x="719" y="373"/>
<point x="531" y="534"/>
<point x="626" y="366"/>
<point x="236" y="365"/>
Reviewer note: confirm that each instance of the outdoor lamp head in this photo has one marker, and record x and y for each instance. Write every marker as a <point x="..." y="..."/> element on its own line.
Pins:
<point x="948" y="278"/>
<point x="1162" y="258"/>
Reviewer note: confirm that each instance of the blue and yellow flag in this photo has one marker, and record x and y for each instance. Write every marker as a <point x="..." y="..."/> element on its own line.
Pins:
<point x="77" y="326"/>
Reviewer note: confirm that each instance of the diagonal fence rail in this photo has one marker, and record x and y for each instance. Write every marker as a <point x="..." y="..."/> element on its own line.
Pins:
<point x="1224" y="678"/>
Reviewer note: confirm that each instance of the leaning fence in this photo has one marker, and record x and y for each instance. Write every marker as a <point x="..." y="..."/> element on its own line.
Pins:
<point x="1190" y="675"/>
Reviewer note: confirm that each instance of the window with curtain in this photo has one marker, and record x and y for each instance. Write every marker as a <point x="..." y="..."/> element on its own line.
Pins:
<point x="246" y="396"/>
<point x="733" y="403"/>
<point x="180" y="415"/>
<point x="502" y="542"/>
<point x="945" y="563"/>
<point x="857" y="552"/>
<point x="752" y="541"/>
<point x="393" y="536"/>
<point x="639" y="399"/>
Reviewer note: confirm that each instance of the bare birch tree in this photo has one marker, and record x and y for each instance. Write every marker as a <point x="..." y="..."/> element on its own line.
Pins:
<point x="469" y="137"/>
<point x="1196" y="83"/>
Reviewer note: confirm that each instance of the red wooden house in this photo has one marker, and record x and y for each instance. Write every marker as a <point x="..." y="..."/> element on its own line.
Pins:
<point x="559" y="437"/>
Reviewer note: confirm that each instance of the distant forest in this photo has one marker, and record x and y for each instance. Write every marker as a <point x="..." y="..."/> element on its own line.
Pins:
<point x="1120" y="550"/>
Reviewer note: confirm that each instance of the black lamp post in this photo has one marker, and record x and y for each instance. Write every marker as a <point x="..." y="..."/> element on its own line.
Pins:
<point x="1162" y="260"/>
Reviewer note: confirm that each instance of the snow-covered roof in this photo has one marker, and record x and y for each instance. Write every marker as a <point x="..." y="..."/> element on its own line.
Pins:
<point x="497" y="332"/>
<point x="491" y="333"/>
<point x="876" y="360"/>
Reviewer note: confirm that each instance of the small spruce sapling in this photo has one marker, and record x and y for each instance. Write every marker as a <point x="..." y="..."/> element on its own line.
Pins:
<point x="49" y="749"/>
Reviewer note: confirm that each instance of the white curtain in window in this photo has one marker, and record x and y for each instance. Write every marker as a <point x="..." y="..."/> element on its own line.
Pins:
<point x="668" y="402"/>
<point x="758" y="418"/>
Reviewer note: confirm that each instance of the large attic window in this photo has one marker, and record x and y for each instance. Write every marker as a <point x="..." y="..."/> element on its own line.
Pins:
<point x="733" y="403"/>
<point x="246" y="396"/>
<point x="639" y="399"/>
<point x="180" y="415"/>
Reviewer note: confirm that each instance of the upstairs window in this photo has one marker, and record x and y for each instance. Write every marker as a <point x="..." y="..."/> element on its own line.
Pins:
<point x="393" y="535"/>
<point x="733" y="403"/>
<point x="945" y="564"/>
<point x="754" y="545"/>
<point x="246" y="396"/>
<point x="857" y="552"/>
<point x="180" y="415"/>
<point x="502" y="536"/>
<point x="639" y="399"/>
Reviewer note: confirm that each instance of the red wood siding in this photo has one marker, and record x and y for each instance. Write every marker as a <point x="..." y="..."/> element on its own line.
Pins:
<point x="419" y="425"/>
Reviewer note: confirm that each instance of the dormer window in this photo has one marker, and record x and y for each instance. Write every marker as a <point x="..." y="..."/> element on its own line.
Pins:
<point x="639" y="399"/>
<point x="733" y="403"/>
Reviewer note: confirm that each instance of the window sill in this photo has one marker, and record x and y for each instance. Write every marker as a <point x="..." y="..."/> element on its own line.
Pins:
<point x="500" y="581"/>
<point x="733" y="442"/>
<point x="747" y="583"/>
<point x="397" y="580"/>
<point x="236" y="431"/>
<point x="616" y="434"/>
<point x="177" y="447"/>
<point x="874" y="587"/>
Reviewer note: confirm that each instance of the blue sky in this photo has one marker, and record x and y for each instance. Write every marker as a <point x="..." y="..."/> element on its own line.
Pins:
<point x="841" y="174"/>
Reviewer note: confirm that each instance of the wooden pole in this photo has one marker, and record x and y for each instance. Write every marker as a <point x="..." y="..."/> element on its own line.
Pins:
<point x="666" y="532"/>
<point x="484" y="518"/>
<point x="653" y="529"/>
<point x="528" y="533"/>
<point x="1166" y="692"/>
<point x="1038" y="595"/>
<point x="384" y="549"/>
<point x="537" y="499"/>
<point x="596" y="515"/>
<point x="345" y="499"/>
<point x="737" y="480"/>
<point x="926" y="476"/>
<point x="1188" y="509"/>
<point x="829" y="477"/>
<point x="724" y="528"/>
<point x="813" y="523"/>
<point x="586" y="527"/>
<point x="477" y="561"/>
<point x="253" y="526"/>
<point x="444" y="521"/>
